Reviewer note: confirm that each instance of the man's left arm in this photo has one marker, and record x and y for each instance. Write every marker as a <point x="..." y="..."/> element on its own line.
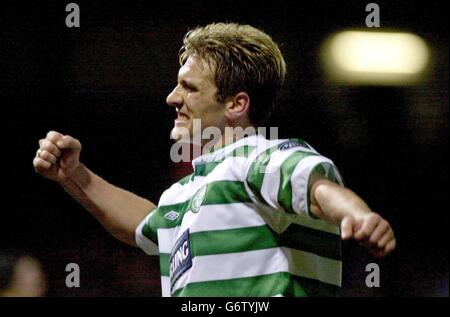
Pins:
<point x="357" y="221"/>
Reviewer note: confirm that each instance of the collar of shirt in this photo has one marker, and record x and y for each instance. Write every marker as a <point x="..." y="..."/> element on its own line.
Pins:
<point x="220" y="154"/>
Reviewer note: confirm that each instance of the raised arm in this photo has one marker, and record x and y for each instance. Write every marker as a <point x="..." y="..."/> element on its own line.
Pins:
<point x="344" y="208"/>
<point x="118" y="210"/>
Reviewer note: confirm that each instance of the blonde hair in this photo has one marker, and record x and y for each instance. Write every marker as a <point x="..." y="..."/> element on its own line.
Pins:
<point x="243" y="59"/>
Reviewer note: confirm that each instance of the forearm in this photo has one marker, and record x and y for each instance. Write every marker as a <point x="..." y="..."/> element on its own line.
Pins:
<point x="118" y="210"/>
<point x="333" y="203"/>
<point x="347" y="210"/>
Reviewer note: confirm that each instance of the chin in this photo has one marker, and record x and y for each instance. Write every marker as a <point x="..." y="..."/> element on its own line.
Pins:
<point x="180" y="134"/>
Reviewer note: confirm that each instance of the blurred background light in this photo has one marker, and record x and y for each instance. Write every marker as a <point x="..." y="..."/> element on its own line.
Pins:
<point x="375" y="57"/>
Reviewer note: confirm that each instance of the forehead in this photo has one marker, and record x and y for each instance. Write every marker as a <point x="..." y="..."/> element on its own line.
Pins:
<point x="196" y="69"/>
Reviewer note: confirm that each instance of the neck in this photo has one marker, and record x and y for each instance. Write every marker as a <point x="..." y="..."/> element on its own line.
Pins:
<point x="229" y="136"/>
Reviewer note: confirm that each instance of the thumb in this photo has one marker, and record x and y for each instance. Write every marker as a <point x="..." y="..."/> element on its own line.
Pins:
<point x="347" y="225"/>
<point x="71" y="152"/>
<point x="69" y="159"/>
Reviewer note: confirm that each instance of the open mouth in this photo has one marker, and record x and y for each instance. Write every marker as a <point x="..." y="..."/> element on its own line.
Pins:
<point x="182" y="117"/>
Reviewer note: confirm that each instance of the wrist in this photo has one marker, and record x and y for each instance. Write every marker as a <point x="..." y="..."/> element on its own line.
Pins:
<point x="79" y="176"/>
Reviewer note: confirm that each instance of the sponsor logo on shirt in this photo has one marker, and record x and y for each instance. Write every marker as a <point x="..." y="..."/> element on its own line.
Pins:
<point x="180" y="259"/>
<point x="172" y="215"/>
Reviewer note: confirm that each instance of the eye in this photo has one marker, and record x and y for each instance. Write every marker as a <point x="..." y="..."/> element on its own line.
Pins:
<point x="188" y="87"/>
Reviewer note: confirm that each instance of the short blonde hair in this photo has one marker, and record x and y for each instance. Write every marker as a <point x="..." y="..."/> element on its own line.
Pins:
<point x="244" y="59"/>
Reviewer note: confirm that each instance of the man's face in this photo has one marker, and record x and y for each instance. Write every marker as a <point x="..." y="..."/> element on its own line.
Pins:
<point x="194" y="97"/>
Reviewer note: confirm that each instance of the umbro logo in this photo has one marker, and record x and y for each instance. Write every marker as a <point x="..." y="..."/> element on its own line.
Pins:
<point x="172" y="215"/>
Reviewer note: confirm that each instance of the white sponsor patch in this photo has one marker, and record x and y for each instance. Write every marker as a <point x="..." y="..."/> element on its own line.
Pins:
<point x="180" y="259"/>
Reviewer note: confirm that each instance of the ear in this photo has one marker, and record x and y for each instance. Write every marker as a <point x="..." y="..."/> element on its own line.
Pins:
<point x="237" y="106"/>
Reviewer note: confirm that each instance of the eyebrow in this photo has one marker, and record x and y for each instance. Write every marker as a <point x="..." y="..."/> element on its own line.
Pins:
<point x="187" y="83"/>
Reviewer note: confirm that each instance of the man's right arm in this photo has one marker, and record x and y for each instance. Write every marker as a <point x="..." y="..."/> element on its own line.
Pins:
<point x="118" y="210"/>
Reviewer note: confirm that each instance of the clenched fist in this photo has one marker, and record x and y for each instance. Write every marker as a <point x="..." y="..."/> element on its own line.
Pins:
<point x="58" y="156"/>
<point x="371" y="231"/>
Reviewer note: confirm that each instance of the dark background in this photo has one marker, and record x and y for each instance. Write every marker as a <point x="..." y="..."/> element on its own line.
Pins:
<point x="106" y="83"/>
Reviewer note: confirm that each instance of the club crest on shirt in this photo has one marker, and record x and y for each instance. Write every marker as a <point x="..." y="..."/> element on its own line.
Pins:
<point x="197" y="200"/>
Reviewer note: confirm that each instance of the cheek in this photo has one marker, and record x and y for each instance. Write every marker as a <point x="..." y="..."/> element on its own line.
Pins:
<point x="204" y="107"/>
<point x="214" y="119"/>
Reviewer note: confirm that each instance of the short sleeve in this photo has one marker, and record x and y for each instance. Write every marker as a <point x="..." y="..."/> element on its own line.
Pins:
<point x="146" y="234"/>
<point x="301" y="180"/>
<point x="279" y="176"/>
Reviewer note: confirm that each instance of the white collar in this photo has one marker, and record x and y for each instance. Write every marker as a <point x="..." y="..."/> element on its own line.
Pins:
<point x="219" y="154"/>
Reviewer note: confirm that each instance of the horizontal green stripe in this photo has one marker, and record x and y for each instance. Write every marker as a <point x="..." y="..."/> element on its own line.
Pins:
<point x="226" y="192"/>
<point x="256" y="286"/>
<point x="232" y="240"/>
<point x="227" y="241"/>
<point x="260" y="286"/>
<point x="150" y="233"/>
<point x="205" y="169"/>
<point x="312" y="288"/>
<point x="219" y="192"/>
<point x="164" y="264"/>
<point x="149" y="230"/>
<point x="246" y="239"/>
<point x="262" y="237"/>
<point x="162" y="222"/>
<point x="177" y="207"/>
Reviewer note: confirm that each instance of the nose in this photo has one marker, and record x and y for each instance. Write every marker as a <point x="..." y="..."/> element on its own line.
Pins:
<point x="175" y="99"/>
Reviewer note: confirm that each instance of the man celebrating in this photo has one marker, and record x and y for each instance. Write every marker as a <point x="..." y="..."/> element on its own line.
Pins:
<point x="257" y="217"/>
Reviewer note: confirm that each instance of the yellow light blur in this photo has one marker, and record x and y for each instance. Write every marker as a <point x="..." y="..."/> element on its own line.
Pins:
<point x="375" y="56"/>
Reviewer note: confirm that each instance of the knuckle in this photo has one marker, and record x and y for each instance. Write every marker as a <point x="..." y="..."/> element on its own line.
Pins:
<point x="46" y="144"/>
<point x="365" y="232"/>
<point x="41" y="164"/>
<point x="375" y="217"/>
<point x="53" y="136"/>
<point x="44" y="157"/>
<point x="50" y="147"/>
<point x="47" y="156"/>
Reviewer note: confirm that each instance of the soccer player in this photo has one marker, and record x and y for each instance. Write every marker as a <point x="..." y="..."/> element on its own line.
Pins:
<point x="257" y="217"/>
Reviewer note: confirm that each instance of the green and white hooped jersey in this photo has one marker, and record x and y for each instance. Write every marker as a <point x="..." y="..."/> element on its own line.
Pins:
<point x="239" y="225"/>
